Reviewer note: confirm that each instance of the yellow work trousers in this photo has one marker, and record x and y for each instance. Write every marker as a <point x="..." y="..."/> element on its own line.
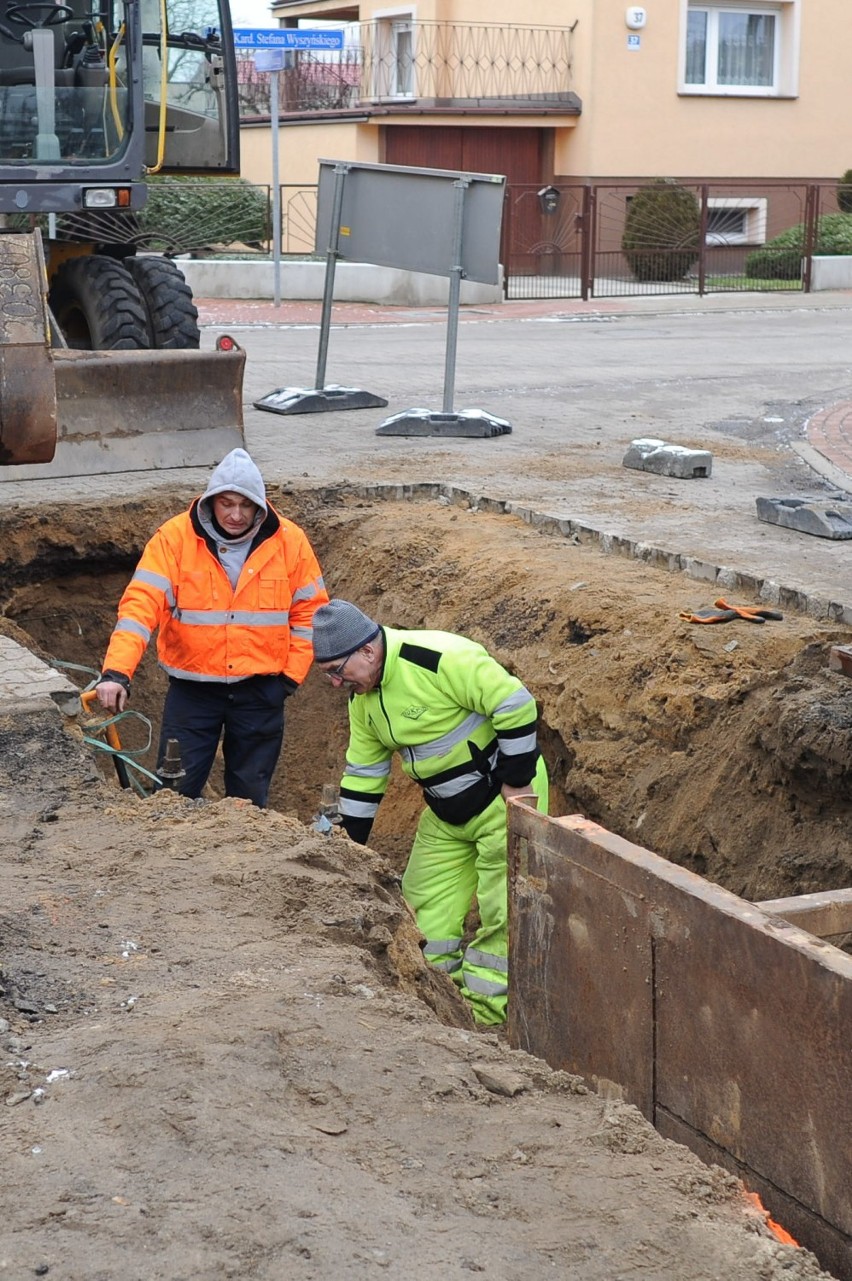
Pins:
<point x="449" y="866"/>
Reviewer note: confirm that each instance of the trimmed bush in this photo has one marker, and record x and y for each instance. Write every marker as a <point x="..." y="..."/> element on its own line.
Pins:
<point x="774" y="264"/>
<point x="181" y="215"/>
<point x="185" y="214"/>
<point x="661" y="232"/>
<point x="844" y="193"/>
<point x="781" y="257"/>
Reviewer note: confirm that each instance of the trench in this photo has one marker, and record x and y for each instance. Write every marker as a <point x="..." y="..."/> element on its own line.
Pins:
<point x="727" y="749"/>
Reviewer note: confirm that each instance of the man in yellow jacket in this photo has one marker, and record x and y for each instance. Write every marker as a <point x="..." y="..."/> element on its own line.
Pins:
<point x="231" y="587"/>
<point x="465" y="730"/>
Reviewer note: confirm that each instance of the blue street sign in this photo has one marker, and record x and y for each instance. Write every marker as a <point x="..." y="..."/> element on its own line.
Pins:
<point x="286" y="38"/>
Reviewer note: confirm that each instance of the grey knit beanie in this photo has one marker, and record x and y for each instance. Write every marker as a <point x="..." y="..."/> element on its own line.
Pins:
<point x="340" y="629"/>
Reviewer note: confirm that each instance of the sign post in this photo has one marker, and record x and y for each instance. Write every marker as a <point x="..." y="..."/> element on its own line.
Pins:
<point x="271" y="46"/>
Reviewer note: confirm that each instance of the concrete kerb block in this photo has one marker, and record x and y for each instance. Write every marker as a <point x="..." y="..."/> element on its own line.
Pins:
<point x="493" y="505"/>
<point x="770" y="592"/>
<point x="728" y="578"/>
<point x="702" y="570"/>
<point x="748" y="584"/>
<point x="647" y="454"/>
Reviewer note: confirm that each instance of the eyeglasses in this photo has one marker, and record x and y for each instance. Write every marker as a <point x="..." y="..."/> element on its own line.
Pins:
<point x="336" y="673"/>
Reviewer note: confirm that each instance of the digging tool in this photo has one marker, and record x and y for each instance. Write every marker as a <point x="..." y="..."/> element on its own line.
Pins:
<point x="87" y="699"/>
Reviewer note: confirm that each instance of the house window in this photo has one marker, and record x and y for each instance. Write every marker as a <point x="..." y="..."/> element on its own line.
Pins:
<point x="740" y="48"/>
<point x="403" y="59"/>
<point x="390" y="59"/>
<point x="735" y="220"/>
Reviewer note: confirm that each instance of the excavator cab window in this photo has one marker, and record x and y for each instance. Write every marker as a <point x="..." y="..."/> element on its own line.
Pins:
<point x="189" y="85"/>
<point x="63" y="82"/>
<point x="115" y="88"/>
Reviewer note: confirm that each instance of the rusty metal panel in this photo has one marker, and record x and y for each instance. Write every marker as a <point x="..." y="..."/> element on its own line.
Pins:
<point x="753" y="1022"/>
<point x="827" y="915"/>
<point x="580" y="959"/>
<point x="831" y="1246"/>
<point x="743" y="1033"/>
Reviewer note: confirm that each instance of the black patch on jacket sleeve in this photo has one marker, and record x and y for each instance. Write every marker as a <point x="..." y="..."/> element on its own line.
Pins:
<point x="420" y="656"/>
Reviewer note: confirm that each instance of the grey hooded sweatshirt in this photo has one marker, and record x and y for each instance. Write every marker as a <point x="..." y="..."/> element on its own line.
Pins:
<point x="236" y="474"/>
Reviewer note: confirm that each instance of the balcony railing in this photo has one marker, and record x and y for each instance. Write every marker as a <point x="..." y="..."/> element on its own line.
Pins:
<point x="438" y="64"/>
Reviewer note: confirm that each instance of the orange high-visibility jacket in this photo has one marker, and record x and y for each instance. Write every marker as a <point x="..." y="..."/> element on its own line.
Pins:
<point x="207" y="630"/>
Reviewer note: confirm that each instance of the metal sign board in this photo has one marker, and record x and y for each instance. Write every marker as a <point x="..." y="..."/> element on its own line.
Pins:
<point x="287" y="38"/>
<point x="397" y="216"/>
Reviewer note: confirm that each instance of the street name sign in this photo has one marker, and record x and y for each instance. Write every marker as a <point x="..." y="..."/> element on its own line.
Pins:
<point x="287" y="38"/>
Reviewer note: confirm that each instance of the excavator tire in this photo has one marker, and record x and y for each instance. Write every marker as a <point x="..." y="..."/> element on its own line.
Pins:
<point x="172" y="316"/>
<point x="98" y="306"/>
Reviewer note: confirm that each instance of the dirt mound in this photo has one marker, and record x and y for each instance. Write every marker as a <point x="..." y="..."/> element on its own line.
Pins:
<point x="225" y="1057"/>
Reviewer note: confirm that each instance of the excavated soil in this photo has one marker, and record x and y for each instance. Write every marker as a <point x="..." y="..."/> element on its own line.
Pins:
<point x="225" y="1057"/>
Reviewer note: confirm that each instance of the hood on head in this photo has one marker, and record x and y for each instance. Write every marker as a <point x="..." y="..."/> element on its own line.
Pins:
<point x="237" y="474"/>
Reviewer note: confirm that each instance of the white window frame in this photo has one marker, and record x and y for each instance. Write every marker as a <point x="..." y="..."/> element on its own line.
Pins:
<point x="754" y="232"/>
<point x="787" y="36"/>
<point x="403" y="78"/>
<point x="388" y="24"/>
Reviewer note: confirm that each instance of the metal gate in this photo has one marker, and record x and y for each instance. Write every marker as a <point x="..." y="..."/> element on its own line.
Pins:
<point x="579" y="241"/>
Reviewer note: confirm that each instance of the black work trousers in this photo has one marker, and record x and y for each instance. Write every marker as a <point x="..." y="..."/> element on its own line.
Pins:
<point x="249" y="717"/>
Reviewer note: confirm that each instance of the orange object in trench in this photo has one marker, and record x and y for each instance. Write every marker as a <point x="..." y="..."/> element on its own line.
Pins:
<point x="781" y="1233"/>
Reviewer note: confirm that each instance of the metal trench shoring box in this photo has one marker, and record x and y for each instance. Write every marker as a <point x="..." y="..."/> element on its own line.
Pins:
<point x="725" y="1022"/>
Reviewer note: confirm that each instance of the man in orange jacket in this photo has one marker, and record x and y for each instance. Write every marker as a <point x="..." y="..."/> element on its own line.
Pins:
<point x="232" y="587"/>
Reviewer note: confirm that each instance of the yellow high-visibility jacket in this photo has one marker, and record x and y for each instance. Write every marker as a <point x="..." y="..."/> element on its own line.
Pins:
<point x="461" y="723"/>
<point x="209" y="631"/>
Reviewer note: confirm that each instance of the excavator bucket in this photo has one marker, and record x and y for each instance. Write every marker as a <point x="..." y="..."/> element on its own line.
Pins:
<point x="27" y="386"/>
<point x="65" y="412"/>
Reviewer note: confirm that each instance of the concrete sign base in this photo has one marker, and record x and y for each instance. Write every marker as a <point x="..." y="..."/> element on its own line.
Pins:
<point x="825" y="520"/>
<point x="423" y="422"/>
<point x="317" y="400"/>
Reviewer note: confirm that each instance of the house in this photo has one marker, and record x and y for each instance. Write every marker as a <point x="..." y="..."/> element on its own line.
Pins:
<point x="746" y="97"/>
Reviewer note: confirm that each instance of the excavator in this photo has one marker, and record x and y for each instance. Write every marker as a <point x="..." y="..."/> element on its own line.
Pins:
<point x="101" y="367"/>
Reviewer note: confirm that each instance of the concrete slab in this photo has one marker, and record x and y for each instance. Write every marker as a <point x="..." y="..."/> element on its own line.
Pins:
<point x="824" y="519"/>
<point x="28" y="685"/>
<point x="668" y="460"/>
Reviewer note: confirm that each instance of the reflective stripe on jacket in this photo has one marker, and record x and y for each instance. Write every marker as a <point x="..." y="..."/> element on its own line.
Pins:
<point x="461" y="723"/>
<point x="209" y="631"/>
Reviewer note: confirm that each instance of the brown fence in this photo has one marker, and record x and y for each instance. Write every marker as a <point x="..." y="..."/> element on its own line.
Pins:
<point x="568" y="240"/>
<point x="562" y="241"/>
